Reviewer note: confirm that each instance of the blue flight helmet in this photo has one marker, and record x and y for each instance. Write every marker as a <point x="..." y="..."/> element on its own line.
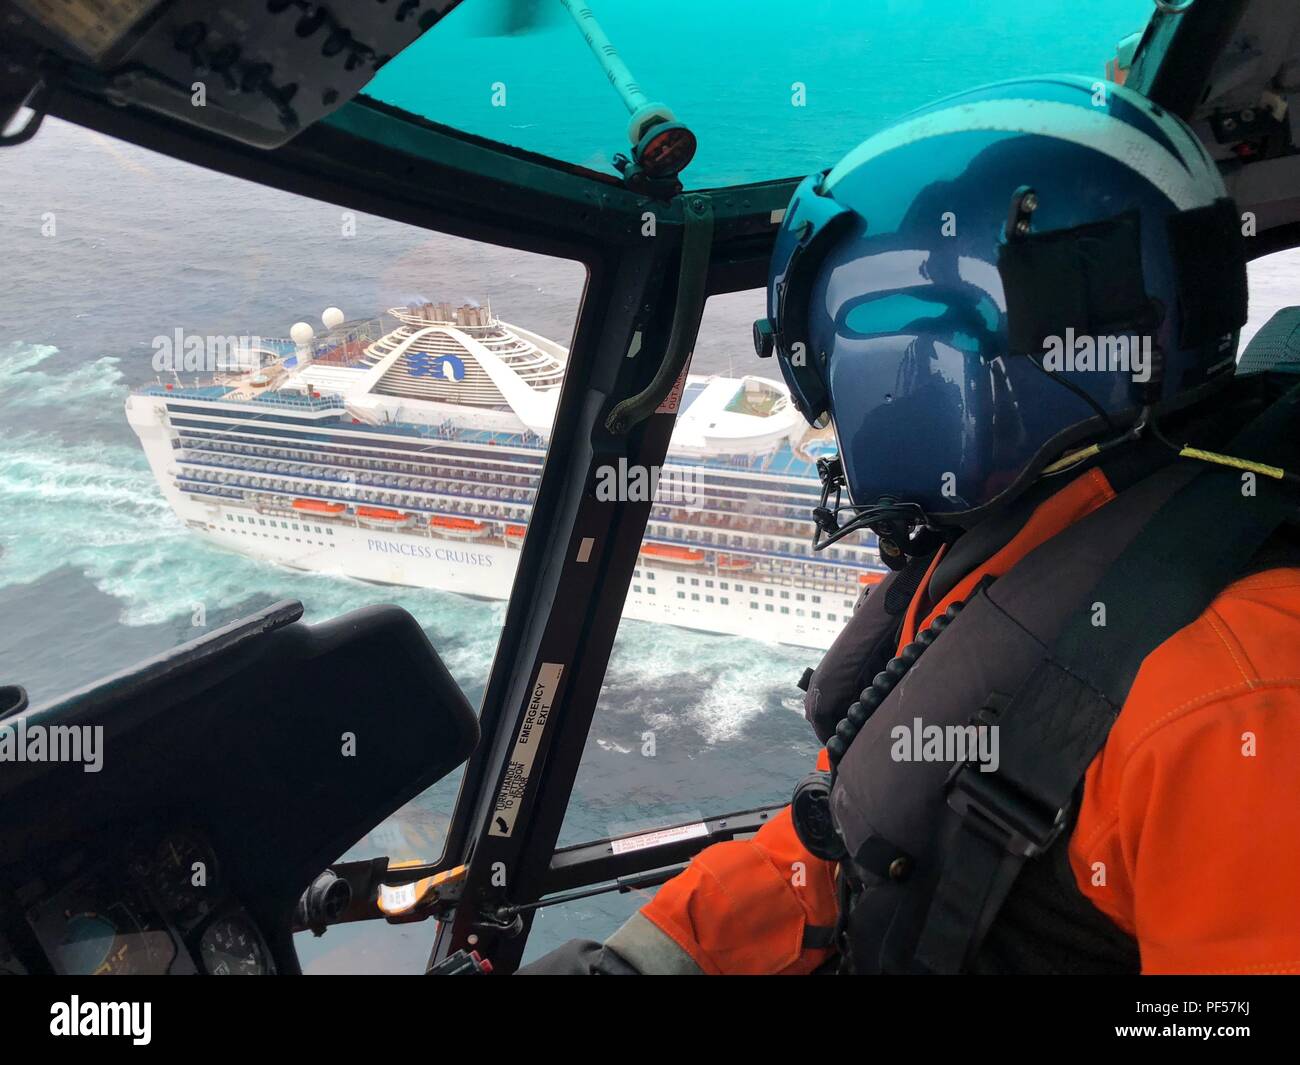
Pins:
<point x="993" y="282"/>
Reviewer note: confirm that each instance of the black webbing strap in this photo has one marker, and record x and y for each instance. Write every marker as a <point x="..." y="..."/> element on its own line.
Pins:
<point x="1194" y="545"/>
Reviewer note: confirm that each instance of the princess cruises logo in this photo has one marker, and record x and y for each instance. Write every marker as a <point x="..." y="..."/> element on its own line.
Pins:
<point x="447" y="367"/>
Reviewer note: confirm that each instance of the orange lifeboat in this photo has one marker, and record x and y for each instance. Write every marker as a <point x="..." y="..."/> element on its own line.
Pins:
<point x="381" y="514"/>
<point x="871" y="577"/>
<point x="515" y="534"/>
<point x="671" y="553"/>
<point x="318" y="506"/>
<point x="459" y="528"/>
<point x="732" y="564"/>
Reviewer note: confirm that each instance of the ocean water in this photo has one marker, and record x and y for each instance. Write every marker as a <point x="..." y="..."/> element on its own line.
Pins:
<point x="96" y="572"/>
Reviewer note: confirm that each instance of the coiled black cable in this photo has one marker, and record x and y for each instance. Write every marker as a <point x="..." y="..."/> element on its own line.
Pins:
<point x="884" y="682"/>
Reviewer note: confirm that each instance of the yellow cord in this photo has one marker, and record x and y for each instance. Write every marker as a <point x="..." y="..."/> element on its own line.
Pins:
<point x="1071" y="459"/>
<point x="1275" y="472"/>
<point x="1075" y="457"/>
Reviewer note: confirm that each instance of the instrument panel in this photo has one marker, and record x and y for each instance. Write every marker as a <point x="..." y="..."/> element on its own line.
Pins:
<point x="164" y="907"/>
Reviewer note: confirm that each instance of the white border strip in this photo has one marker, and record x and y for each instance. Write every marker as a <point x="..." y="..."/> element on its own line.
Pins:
<point x="1088" y="127"/>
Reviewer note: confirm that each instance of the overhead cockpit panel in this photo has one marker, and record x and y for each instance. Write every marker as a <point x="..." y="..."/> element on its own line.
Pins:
<point x="255" y="70"/>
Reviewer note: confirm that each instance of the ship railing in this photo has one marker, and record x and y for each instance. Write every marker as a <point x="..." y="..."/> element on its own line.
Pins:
<point x="186" y="391"/>
<point x="320" y="474"/>
<point x="314" y="403"/>
<point x="396" y="497"/>
<point x="379" y="498"/>
<point x="353" y="460"/>
<point x="783" y="520"/>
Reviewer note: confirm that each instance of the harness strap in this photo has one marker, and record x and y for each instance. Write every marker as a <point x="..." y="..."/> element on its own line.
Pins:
<point x="1194" y="545"/>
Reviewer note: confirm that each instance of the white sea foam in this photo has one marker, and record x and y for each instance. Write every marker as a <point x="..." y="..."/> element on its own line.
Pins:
<point x="731" y="679"/>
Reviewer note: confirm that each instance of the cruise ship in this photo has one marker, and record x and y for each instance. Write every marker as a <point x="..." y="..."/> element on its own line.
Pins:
<point x="406" y="449"/>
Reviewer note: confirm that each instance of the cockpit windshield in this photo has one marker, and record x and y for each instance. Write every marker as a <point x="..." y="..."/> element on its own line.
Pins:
<point x="767" y="95"/>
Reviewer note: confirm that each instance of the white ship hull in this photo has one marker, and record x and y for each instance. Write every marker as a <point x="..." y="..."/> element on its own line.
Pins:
<point x="486" y="570"/>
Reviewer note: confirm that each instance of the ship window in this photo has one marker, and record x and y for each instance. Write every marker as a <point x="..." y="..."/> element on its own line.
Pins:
<point x="695" y="596"/>
<point x="816" y="598"/>
<point x="708" y="584"/>
<point x="769" y="608"/>
<point x="785" y="595"/>
<point x="681" y="595"/>
<point x="651" y="591"/>
<point x="636" y="588"/>
<point x="753" y="606"/>
<point x="726" y="601"/>
<point x="695" y="581"/>
<point x="817" y="613"/>
<point x="681" y="580"/>
<point x="831" y="617"/>
<point x="768" y="592"/>
<point x="785" y="610"/>
<point x="708" y="598"/>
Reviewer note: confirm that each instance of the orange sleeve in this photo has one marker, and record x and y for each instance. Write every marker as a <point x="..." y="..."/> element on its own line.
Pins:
<point x="1187" y="833"/>
<point x="745" y="906"/>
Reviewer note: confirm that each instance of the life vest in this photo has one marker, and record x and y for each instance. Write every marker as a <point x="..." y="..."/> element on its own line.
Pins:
<point x="956" y="862"/>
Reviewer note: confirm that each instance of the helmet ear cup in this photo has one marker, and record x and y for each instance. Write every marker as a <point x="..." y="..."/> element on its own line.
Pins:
<point x="1210" y="249"/>
<point x="1087" y="280"/>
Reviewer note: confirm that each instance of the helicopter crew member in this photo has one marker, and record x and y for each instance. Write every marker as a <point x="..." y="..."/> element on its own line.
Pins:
<point x="1062" y="735"/>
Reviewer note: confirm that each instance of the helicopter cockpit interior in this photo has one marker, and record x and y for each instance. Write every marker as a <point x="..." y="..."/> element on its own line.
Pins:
<point x="219" y="784"/>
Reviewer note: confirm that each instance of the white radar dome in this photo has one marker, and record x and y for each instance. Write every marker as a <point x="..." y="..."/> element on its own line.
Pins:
<point x="302" y="334"/>
<point x="332" y="317"/>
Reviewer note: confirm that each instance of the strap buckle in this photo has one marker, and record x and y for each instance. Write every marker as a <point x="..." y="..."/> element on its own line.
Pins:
<point x="991" y="805"/>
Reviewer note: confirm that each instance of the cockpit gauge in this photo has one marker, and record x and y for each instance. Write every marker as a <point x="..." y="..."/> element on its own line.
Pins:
<point x="99" y="926"/>
<point x="231" y="947"/>
<point x="185" y="877"/>
<point x="112" y="943"/>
